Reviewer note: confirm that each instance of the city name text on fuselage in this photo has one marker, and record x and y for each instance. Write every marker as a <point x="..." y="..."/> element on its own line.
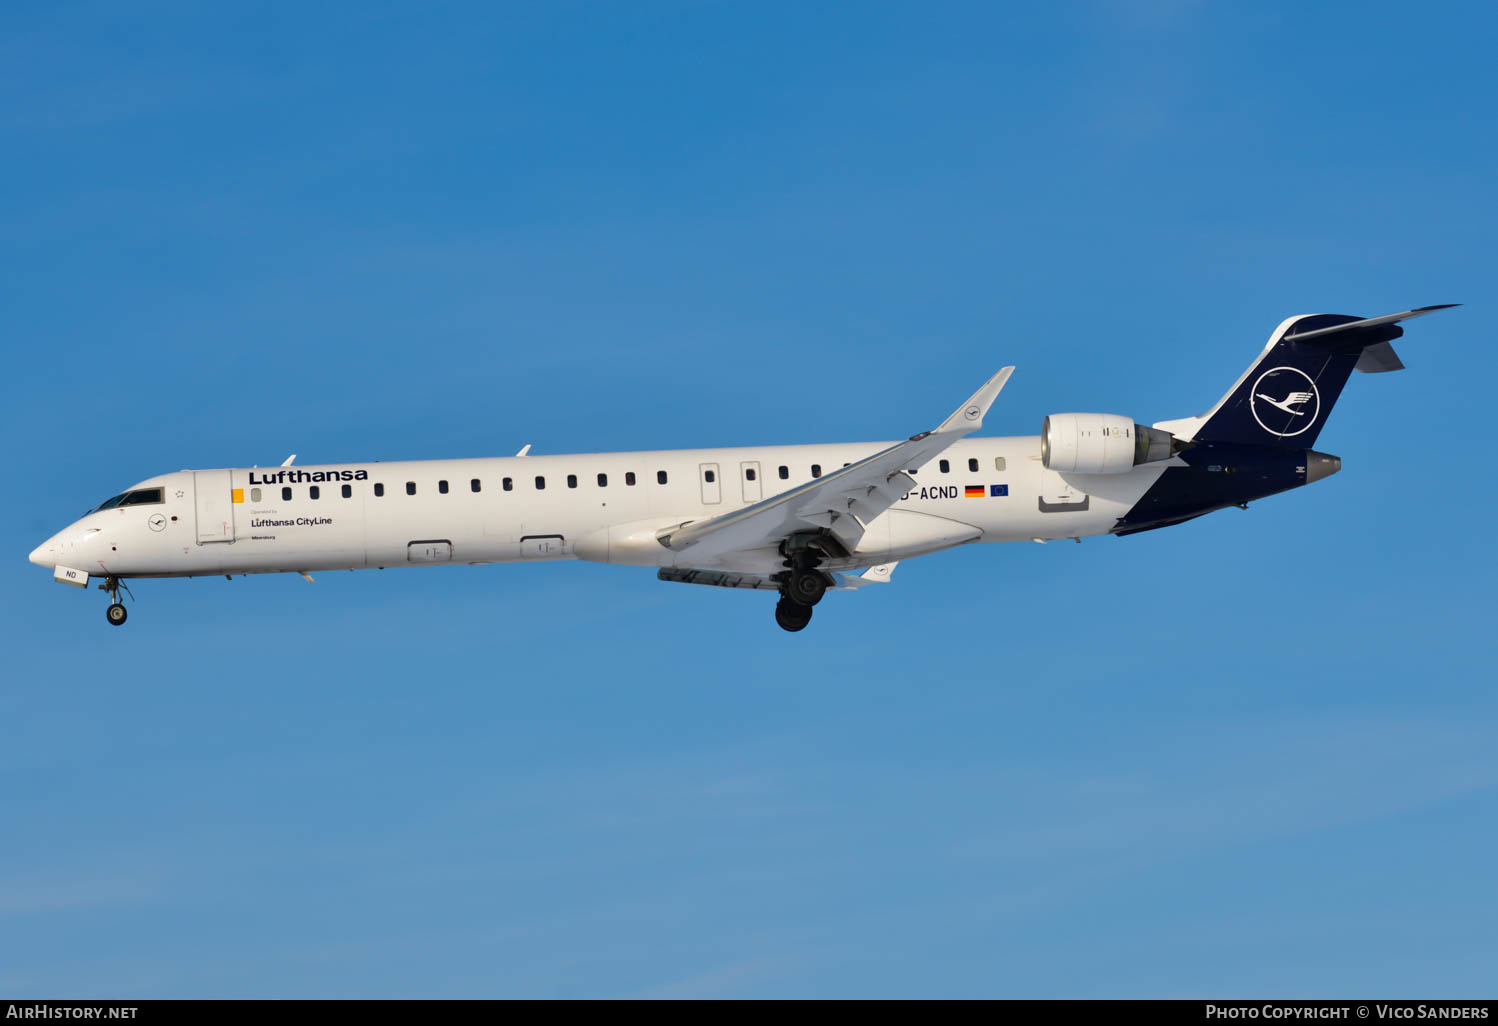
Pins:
<point x="297" y="476"/>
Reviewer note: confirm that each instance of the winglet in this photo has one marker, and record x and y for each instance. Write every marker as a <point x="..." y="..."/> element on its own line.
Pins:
<point x="526" y="451"/>
<point x="287" y="461"/>
<point x="968" y="417"/>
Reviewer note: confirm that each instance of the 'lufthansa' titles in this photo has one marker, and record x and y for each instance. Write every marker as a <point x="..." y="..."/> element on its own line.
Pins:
<point x="298" y="476"/>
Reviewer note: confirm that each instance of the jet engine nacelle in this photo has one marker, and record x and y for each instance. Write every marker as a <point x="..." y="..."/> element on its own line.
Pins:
<point x="1100" y="443"/>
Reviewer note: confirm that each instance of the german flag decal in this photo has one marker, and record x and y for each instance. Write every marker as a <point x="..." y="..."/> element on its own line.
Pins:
<point x="973" y="492"/>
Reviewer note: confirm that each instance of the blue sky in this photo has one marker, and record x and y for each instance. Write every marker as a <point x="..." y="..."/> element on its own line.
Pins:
<point x="1251" y="755"/>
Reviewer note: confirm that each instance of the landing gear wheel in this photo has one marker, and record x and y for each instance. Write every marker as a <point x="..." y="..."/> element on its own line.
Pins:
<point x="116" y="614"/>
<point x="792" y="616"/>
<point x="806" y="587"/>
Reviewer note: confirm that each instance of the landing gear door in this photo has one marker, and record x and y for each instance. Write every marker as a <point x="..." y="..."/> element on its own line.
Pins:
<point x="214" y="497"/>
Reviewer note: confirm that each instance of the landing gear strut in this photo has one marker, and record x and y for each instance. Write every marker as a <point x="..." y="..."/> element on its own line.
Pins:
<point x="802" y="585"/>
<point x="115" y="614"/>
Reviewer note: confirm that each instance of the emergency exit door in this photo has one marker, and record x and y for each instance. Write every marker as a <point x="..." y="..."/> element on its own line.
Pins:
<point x="214" y="499"/>
<point x="712" y="488"/>
<point x="749" y="473"/>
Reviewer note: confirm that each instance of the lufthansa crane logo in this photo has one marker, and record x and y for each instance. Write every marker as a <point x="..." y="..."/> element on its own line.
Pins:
<point x="1285" y="397"/>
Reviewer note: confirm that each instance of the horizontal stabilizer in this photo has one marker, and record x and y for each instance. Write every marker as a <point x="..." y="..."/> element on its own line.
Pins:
<point x="1369" y="322"/>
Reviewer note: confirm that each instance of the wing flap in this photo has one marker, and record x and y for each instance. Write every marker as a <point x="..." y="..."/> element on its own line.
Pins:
<point x="716" y="578"/>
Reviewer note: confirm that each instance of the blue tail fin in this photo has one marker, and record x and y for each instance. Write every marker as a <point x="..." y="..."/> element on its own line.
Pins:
<point x="1283" y="400"/>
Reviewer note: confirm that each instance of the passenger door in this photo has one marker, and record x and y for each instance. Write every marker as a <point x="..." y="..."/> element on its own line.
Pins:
<point x="214" y="500"/>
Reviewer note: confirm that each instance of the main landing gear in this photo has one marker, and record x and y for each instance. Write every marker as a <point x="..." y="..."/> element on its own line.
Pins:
<point x="805" y="587"/>
<point x="792" y="616"/>
<point x="801" y="587"/>
<point x="115" y="614"/>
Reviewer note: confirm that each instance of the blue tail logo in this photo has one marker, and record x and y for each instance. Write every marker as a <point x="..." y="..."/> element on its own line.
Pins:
<point x="1294" y="413"/>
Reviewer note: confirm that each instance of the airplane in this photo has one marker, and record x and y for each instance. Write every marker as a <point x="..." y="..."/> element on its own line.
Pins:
<point x="796" y="520"/>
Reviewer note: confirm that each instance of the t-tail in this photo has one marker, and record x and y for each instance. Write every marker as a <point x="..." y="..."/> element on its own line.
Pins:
<point x="1284" y="398"/>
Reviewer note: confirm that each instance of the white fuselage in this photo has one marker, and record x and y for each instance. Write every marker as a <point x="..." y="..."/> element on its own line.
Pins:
<point x="266" y="520"/>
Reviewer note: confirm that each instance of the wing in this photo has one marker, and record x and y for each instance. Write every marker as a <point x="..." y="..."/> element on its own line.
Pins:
<point x="841" y="502"/>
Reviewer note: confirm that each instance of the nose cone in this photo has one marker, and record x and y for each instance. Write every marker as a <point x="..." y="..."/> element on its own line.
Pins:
<point x="43" y="555"/>
<point x="1319" y="465"/>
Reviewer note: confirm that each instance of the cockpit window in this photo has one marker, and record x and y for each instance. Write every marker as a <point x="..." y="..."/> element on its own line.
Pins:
<point x="139" y="497"/>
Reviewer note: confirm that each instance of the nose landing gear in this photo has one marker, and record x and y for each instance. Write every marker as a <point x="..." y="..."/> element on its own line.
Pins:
<point x="116" y="613"/>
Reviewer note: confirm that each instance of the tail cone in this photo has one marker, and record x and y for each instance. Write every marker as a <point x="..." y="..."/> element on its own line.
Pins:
<point x="1319" y="465"/>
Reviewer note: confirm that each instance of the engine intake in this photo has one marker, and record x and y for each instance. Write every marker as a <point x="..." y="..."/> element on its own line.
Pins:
<point x="1101" y="443"/>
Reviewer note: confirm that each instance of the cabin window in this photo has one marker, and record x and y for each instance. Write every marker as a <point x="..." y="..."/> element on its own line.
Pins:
<point x="749" y="474"/>
<point x="660" y="477"/>
<point x="945" y="467"/>
<point x="709" y="476"/>
<point x="286" y="494"/>
<point x="998" y="463"/>
<point x="785" y="473"/>
<point x="603" y="480"/>
<point x="972" y="465"/>
<point x="442" y="487"/>
<point x="474" y="484"/>
<point x="629" y="478"/>
<point x="254" y="495"/>
<point x="348" y="491"/>
<point x="314" y="492"/>
<point x="540" y="483"/>
<point x="410" y="487"/>
<point x="379" y="489"/>
<point x="816" y="470"/>
<point x="571" y="480"/>
<point x="508" y="484"/>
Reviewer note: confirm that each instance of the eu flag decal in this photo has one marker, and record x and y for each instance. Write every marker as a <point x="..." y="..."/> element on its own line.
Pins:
<point x="997" y="490"/>
<point x="973" y="492"/>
